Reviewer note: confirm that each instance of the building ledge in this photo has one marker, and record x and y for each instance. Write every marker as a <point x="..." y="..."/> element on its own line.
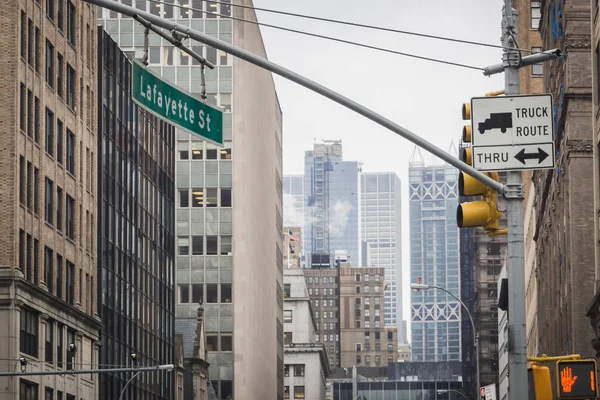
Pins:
<point x="311" y="348"/>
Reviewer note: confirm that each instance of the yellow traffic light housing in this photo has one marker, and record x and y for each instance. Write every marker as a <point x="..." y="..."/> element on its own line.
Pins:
<point x="482" y="212"/>
<point x="541" y="386"/>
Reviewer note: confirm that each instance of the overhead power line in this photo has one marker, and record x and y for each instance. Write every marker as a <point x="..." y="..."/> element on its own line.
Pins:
<point x="378" y="28"/>
<point x="350" y="42"/>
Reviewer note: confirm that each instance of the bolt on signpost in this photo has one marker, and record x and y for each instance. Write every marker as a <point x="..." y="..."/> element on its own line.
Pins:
<point x="512" y="191"/>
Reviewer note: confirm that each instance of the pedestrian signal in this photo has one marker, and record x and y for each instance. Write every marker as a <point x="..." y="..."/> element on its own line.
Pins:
<point x="577" y="379"/>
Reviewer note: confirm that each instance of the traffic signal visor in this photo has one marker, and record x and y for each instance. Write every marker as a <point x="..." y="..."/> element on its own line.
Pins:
<point x="542" y="384"/>
<point x="466" y="111"/>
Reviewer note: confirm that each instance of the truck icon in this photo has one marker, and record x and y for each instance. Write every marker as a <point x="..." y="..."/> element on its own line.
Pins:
<point x="496" y="121"/>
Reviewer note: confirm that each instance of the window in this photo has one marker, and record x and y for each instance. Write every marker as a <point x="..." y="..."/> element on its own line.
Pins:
<point x="60" y="15"/>
<point x="226" y="293"/>
<point x="70" y="152"/>
<point x="37" y="49"/>
<point x="184" y="198"/>
<point x="49" y="268"/>
<point x="226" y="245"/>
<point x="49" y="347"/>
<point x="29" y="332"/>
<point x="70" y="286"/>
<point x="288" y="337"/>
<point x="22" y="181"/>
<point x="211" y="197"/>
<point x="23" y="108"/>
<point x="70" y="87"/>
<point x="49" y="205"/>
<point x="22" y="250"/>
<point x="48" y="393"/>
<point x="36" y="120"/>
<point x="49" y="132"/>
<point x="211" y="293"/>
<point x="184" y="293"/>
<point x="59" y="141"/>
<point x="225" y="197"/>
<point x="537" y="69"/>
<point x="36" y="257"/>
<point x="390" y="347"/>
<point x="197" y="293"/>
<point x="298" y="392"/>
<point x="299" y="370"/>
<point x="49" y="64"/>
<point x="50" y="9"/>
<point x="286" y="389"/>
<point x="286" y="290"/>
<point x="71" y="18"/>
<point x="59" y="344"/>
<point x="59" y="73"/>
<point x="536" y="14"/>
<point x="183" y="246"/>
<point x="357" y="277"/>
<point x="197" y="245"/>
<point x="59" y="281"/>
<point x="287" y="315"/>
<point x="28" y="390"/>
<point x="211" y="245"/>
<point x="23" y="35"/>
<point x="358" y="347"/>
<point x="197" y="197"/>
<point x="70" y="349"/>
<point x="182" y="148"/>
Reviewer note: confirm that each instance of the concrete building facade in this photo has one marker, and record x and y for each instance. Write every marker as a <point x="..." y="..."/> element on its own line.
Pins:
<point x="229" y="222"/>
<point x="306" y="362"/>
<point x="364" y="338"/>
<point x="381" y="229"/>
<point x="292" y="245"/>
<point x="48" y="279"/>
<point x="564" y="227"/>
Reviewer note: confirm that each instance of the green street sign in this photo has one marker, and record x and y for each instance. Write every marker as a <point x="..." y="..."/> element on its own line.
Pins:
<point x="175" y="105"/>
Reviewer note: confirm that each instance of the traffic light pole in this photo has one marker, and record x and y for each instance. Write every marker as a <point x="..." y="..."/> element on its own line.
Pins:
<point x="517" y="339"/>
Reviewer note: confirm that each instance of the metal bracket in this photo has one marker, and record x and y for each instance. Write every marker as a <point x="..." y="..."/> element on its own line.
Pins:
<point x="514" y="191"/>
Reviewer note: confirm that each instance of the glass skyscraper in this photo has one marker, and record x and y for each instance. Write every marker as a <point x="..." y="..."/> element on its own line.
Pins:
<point x="381" y="229"/>
<point x="434" y="256"/>
<point x="331" y="208"/>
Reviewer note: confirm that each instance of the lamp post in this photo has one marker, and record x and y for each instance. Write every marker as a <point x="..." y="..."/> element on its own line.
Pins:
<point x="442" y="391"/>
<point x="167" y="367"/>
<point x="422" y="286"/>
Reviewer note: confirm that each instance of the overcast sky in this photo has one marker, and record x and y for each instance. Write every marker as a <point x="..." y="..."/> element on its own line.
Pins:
<point x="422" y="96"/>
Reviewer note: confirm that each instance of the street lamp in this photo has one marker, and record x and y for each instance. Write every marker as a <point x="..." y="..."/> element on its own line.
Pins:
<point x="422" y="286"/>
<point x="167" y="367"/>
<point x="442" y="391"/>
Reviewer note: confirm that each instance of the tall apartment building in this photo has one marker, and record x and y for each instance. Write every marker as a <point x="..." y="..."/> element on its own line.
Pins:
<point x="381" y="229"/>
<point x="229" y="222"/>
<point x="306" y="361"/>
<point x="136" y="216"/>
<point x="332" y="209"/>
<point x="365" y="340"/>
<point x="434" y="247"/>
<point x="324" y="292"/>
<point x="48" y="252"/>
<point x="564" y="226"/>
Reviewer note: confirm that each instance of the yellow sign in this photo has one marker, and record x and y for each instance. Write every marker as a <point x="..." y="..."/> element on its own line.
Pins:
<point x="576" y="379"/>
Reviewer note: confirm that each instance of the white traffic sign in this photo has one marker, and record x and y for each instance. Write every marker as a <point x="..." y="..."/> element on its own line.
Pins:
<point x="512" y="133"/>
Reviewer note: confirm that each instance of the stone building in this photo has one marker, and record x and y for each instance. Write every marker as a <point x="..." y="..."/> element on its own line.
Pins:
<point x="364" y="338"/>
<point x="48" y="278"/>
<point x="292" y="247"/>
<point x="564" y="227"/>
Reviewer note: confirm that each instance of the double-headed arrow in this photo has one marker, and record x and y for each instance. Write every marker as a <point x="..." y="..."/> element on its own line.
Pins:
<point x="541" y="155"/>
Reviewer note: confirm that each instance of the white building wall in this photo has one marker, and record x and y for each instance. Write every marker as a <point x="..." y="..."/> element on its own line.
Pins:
<point x="313" y="379"/>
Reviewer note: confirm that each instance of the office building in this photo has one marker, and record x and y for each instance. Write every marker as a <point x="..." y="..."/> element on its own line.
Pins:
<point x="137" y="232"/>
<point x="229" y="223"/>
<point x="331" y="206"/>
<point x="306" y="361"/>
<point x="381" y="230"/>
<point x="435" y="316"/>
<point x="48" y="276"/>
<point x="293" y="207"/>
<point x="324" y="292"/>
<point x="365" y="340"/>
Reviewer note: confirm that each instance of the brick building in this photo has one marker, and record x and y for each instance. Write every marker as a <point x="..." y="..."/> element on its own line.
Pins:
<point x="564" y="227"/>
<point x="364" y="338"/>
<point x="47" y="182"/>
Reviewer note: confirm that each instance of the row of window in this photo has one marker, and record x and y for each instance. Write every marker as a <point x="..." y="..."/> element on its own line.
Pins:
<point x="193" y="8"/>
<point x="55" y="348"/>
<point x="367" y="347"/>
<point x="194" y="293"/>
<point x="298" y="392"/>
<point x="366" y="278"/>
<point x="205" y="197"/>
<point x="324" y="292"/>
<point x="198" y="152"/>
<point x="324" y="279"/>
<point x="53" y="272"/>
<point x="357" y="323"/>
<point x="390" y="358"/>
<point x="367" y="290"/>
<point x="201" y="247"/>
<point x="30" y="391"/>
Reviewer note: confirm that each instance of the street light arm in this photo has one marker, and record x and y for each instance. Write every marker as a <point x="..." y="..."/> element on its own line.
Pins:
<point x="130" y="379"/>
<point x="461" y="303"/>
